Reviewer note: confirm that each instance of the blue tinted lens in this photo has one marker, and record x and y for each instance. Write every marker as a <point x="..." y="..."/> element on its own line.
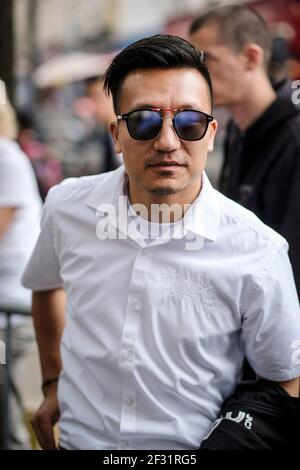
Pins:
<point x="144" y="124"/>
<point x="190" y="125"/>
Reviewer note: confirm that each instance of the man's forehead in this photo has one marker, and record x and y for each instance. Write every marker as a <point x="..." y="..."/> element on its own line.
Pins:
<point x="147" y="88"/>
<point x="174" y="74"/>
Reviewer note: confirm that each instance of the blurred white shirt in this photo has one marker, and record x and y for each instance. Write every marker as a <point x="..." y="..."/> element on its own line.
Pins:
<point x="18" y="189"/>
<point x="156" y="334"/>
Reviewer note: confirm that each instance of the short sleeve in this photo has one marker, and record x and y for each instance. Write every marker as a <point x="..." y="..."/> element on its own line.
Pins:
<point x="43" y="271"/>
<point x="271" y="324"/>
<point x="15" y="171"/>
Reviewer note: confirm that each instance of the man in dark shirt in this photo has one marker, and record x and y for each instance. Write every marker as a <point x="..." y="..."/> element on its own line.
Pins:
<point x="261" y="168"/>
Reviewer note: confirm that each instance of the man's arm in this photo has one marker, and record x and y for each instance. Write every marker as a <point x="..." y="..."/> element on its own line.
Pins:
<point x="48" y="311"/>
<point x="291" y="387"/>
<point x="7" y="215"/>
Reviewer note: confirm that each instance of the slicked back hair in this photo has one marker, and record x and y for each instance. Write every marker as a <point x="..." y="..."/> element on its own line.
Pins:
<point x="161" y="51"/>
<point x="238" y="25"/>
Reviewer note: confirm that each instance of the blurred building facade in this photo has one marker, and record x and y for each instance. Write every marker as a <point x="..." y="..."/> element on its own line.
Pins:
<point x="56" y="24"/>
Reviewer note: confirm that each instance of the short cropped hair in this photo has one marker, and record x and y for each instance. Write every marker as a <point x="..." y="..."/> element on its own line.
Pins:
<point x="238" y="25"/>
<point x="161" y="51"/>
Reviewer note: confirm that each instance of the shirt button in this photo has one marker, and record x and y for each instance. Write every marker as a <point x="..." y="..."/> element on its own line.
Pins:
<point x="125" y="354"/>
<point x="124" y="445"/>
<point x="145" y="252"/>
<point x="136" y="303"/>
<point x="129" y="402"/>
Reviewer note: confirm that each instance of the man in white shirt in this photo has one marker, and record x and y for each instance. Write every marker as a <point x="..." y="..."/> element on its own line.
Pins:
<point x="159" y="316"/>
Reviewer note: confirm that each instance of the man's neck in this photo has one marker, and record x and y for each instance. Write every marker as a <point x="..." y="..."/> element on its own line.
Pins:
<point x="257" y="100"/>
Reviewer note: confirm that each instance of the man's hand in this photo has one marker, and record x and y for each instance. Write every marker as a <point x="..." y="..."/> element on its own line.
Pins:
<point x="45" y="418"/>
<point x="48" y="312"/>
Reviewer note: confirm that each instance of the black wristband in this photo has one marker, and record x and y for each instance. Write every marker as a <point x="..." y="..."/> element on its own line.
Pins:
<point x="48" y="382"/>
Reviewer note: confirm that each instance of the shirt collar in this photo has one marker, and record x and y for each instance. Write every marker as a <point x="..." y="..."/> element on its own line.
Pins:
<point x="109" y="190"/>
<point x="202" y="218"/>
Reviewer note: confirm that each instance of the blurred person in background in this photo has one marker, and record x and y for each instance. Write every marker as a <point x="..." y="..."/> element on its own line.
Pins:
<point x="20" y="207"/>
<point x="47" y="168"/>
<point x="95" y="109"/>
<point x="278" y="65"/>
<point x="279" y="69"/>
<point x="261" y="168"/>
<point x="103" y="106"/>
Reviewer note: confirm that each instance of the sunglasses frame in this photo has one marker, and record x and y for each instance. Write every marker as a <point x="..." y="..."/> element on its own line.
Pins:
<point x="165" y="113"/>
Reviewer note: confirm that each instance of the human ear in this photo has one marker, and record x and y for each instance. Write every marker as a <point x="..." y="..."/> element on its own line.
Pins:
<point x="115" y="132"/>
<point x="212" y="129"/>
<point x="254" y="56"/>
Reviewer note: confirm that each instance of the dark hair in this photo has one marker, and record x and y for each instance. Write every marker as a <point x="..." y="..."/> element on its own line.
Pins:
<point x="162" y="51"/>
<point x="238" y="26"/>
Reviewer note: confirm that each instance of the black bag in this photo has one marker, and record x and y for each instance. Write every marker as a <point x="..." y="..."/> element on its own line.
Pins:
<point x="260" y="415"/>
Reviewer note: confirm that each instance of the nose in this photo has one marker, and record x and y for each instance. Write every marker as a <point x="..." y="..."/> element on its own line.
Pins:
<point x="167" y="139"/>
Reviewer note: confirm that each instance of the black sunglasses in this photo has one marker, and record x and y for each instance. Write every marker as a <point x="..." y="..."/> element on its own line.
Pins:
<point x="145" y="124"/>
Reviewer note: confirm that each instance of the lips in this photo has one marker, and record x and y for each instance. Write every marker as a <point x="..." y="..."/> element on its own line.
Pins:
<point x="164" y="164"/>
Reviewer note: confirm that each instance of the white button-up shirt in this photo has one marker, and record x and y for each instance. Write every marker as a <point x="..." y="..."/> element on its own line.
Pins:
<point x="156" y="333"/>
